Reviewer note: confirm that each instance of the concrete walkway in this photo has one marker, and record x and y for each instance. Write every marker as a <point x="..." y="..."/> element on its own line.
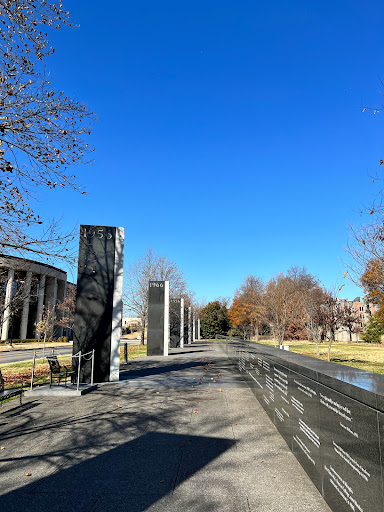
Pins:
<point x="176" y="434"/>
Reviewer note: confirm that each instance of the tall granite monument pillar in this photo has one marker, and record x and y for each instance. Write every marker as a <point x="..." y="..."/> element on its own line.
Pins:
<point x="186" y="328"/>
<point x="158" y="318"/>
<point x="98" y="313"/>
<point x="197" y="328"/>
<point x="182" y="322"/>
<point x="189" y="325"/>
<point x="174" y="322"/>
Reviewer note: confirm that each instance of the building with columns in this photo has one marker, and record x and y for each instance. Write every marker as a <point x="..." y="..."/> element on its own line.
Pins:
<point x="26" y="288"/>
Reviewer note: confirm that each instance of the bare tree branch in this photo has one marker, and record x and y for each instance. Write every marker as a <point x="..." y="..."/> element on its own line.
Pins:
<point x="42" y="131"/>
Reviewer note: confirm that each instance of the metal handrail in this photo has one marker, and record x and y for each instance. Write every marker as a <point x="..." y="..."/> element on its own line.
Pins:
<point x="77" y="355"/>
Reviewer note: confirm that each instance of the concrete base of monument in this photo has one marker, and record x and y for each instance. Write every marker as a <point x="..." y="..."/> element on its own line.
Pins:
<point x="61" y="390"/>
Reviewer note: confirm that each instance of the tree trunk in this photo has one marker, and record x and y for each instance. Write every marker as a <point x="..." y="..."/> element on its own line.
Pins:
<point x="274" y="336"/>
<point x="329" y="348"/>
<point x="257" y="332"/>
<point x="143" y="333"/>
<point x="143" y="324"/>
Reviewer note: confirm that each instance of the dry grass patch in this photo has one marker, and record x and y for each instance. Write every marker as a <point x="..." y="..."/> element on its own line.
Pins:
<point x="365" y="356"/>
<point x="133" y="351"/>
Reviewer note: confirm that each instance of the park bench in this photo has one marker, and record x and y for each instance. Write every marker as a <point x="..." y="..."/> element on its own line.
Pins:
<point x="57" y="371"/>
<point x="9" y="393"/>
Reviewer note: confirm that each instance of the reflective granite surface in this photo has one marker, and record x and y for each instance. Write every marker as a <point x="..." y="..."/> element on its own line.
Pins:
<point x="331" y="417"/>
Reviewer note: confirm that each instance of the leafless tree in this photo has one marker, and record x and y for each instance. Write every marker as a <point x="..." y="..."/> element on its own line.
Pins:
<point x="280" y="294"/>
<point x="303" y="279"/>
<point x="332" y="318"/>
<point x="66" y="308"/>
<point x="150" y="267"/>
<point x="350" y="319"/>
<point x="46" y="325"/>
<point x="286" y="300"/>
<point x="41" y="130"/>
<point x="315" y="308"/>
<point x="366" y="244"/>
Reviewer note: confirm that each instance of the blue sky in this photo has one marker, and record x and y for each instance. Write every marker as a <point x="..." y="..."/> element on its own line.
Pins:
<point x="231" y="136"/>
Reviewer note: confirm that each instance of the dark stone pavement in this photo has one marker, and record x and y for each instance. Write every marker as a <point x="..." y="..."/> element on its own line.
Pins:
<point x="176" y="434"/>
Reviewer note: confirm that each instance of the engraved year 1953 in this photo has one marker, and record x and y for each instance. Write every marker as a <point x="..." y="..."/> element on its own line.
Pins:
<point x="98" y="233"/>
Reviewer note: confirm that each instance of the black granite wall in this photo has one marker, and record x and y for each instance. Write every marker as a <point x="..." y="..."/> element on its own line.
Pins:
<point x="331" y="417"/>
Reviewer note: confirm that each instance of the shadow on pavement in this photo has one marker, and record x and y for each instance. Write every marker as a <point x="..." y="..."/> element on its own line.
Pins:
<point x="189" y="352"/>
<point x="145" y="371"/>
<point x="18" y="409"/>
<point x="132" y="476"/>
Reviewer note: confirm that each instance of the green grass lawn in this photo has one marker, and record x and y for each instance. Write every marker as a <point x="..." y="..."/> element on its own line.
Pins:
<point x="365" y="356"/>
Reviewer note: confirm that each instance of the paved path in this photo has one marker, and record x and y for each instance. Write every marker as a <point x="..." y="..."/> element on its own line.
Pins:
<point x="176" y="434"/>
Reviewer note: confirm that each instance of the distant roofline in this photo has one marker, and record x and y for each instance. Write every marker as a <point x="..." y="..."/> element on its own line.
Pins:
<point x="32" y="261"/>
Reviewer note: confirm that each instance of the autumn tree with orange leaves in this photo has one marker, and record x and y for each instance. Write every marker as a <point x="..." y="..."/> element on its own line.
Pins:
<point x="247" y="310"/>
<point x="373" y="284"/>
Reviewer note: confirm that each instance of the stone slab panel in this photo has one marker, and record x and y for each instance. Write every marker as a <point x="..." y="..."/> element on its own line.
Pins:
<point x="96" y="300"/>
<point x="157" y="333"/>
<point x="175" y="322"/>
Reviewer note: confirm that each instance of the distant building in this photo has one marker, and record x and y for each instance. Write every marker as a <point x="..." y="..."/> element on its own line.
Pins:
<point x="133" y="323"/>
<point x="26" y="287"/>
<point x="364" y="311"/>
